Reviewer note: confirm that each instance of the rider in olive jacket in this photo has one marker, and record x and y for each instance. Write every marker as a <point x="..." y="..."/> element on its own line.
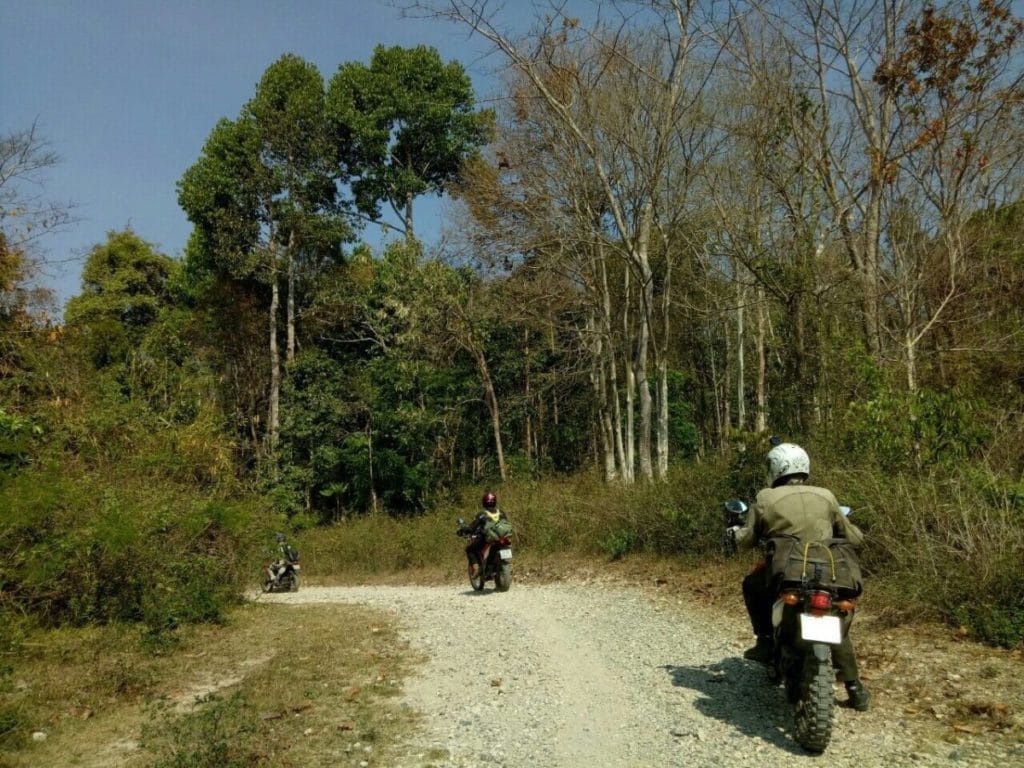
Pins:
<point x="809" y="513"/>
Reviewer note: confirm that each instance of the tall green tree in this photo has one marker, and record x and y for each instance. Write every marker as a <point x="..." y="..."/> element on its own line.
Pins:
<point x="263" y="199"/>
<point x="404" y="126"/>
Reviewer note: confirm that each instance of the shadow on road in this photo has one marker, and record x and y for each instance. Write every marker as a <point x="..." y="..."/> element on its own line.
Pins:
<point x="737" y="692"/>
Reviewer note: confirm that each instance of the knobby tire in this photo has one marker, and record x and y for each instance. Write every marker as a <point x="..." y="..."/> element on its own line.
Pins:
<point x="813" y="712"/>
<point x="503" y="580"/>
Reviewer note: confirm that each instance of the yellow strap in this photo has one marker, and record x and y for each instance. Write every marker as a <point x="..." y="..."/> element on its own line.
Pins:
<point x="832" y="559"/>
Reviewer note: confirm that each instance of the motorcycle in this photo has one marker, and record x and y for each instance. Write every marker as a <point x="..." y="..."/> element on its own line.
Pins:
<point x="287" y="576"/>
<point x="810" y="615"/>
<point x="493" y="560"/>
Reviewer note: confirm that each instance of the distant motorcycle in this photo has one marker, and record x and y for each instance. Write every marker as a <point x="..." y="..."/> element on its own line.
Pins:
<point x="493" y="559"/>
<point x="282" y="574"/>
<point x="816" y="584"/>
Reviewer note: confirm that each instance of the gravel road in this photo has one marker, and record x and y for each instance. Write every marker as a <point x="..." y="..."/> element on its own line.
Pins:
<point x="604" y="676"/>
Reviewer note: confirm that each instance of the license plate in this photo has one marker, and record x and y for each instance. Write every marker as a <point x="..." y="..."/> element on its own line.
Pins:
<point x="821" y="629"/>
<point x="506" y="554"/>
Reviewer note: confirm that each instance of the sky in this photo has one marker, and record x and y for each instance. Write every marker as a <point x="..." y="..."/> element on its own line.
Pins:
<point x="127" y="91"/>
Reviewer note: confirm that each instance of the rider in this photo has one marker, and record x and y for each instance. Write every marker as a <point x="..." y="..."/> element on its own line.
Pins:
<point x="288" y="556"/>
<point x="489" y="514"/>
<point x="789" y="507"/>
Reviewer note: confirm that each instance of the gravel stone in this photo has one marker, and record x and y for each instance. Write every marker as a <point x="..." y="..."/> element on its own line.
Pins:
<point x="606" y="676"/>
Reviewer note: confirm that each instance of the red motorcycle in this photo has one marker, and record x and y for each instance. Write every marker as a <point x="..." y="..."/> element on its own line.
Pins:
<point x="493" y="559"/>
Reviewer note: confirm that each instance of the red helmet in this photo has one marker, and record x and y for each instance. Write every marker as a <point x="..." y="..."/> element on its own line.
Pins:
<point x="490" y="501"/>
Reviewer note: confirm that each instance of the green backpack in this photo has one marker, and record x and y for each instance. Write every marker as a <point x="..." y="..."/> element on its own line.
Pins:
<point x="497" y="529"/>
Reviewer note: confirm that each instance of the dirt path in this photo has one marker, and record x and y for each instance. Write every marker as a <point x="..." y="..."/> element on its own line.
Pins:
<point x="597" y="675"/>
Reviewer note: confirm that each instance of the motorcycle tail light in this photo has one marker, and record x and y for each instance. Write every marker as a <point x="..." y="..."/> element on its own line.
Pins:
<point x="821" y="601"/>
<point x="790" y="598"/>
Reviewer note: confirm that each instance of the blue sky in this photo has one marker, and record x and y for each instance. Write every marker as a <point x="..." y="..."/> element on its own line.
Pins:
<point x="126" y="92"/>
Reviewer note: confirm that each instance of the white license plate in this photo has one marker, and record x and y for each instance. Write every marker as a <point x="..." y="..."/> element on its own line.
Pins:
<point x="506" y="554"/>
<point x="821" y="629"/>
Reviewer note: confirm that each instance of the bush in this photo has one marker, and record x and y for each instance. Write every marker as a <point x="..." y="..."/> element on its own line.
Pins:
<point x="946" y="546"/>
<point x="83" y="549"/>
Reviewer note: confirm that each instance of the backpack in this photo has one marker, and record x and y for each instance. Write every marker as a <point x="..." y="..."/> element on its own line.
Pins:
<point x="790" y="559"/>
<point x="496" y="529"/>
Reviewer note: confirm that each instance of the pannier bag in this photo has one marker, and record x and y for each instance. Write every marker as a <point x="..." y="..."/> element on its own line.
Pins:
<point x="791" y="560"/>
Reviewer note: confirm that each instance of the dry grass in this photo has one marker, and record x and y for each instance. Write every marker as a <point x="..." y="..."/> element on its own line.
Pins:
<point x="281" y="685"/>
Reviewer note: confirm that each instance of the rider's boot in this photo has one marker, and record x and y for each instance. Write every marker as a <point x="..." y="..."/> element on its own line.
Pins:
<point x="762" y="651"/>
<point x="860" y="697"/>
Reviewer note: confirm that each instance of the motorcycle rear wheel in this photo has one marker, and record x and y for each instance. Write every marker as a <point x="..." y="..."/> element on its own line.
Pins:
<point x="813" y="711"/>
<point x="503" y="580"/>
<point x="476" y="582"/>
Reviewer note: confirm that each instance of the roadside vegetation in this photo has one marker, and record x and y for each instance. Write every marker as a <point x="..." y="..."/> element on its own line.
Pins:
<point x="635" y="299"/>
<point x="315" y="688"/>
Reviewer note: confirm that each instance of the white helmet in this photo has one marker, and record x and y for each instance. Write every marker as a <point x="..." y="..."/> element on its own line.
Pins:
<point x="787" y="459"/>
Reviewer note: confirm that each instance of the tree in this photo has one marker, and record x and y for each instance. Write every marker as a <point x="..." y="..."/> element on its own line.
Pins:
<point x="125" y="285"/>
<point x="631" y="103"/>
<point x="25" y="214"/>
<point x="404" y="125"/>
<point x="957" y="88"/>
<point x="264" y="195"/>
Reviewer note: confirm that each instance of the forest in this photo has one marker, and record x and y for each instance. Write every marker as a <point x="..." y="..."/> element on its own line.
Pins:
<point x="680" y="228"/>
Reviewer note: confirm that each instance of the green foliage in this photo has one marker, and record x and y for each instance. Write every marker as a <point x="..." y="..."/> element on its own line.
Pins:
<point x="125" y="286"/>
<point x="404" y="124"/>
<point x="618" y="545"/>
<point x="684" y="437"/>
<point x="996" y="623"/>
<point x="85" y="549"/>
<point x="16" y="435"/>
<point x="902" y="432"/>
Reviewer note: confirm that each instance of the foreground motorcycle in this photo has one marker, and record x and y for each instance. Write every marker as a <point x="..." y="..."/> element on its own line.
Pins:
<point x="812" y="612"/>
<point x="493" y="560"/>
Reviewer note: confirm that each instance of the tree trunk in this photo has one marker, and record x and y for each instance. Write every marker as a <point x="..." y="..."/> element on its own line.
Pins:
<point x="646" y="301"/>
<point x="662" y="366"/>
<point x="741" y="396"/>
<point x="629" y="438"/>
<point x="492" y="405"/>
<point x="290" y="353"/>
<point x="528" y="429"/>
<point x="409" y="235"/>
<point x="275" y="358"/>
<point x="761" y="420"/>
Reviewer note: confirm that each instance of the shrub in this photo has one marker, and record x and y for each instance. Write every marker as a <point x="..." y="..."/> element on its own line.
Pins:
<point x="948" y="546"/>
<point x="82" y="549"/>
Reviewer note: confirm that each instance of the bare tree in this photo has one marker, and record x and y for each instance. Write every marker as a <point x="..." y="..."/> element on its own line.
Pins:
<point x="956" y="87"/>
<point x="620" y="94"/>
<point x="27" y="214"/>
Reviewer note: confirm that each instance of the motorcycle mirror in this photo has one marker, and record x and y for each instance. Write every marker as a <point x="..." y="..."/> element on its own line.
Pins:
<point x="736" y="506"/>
